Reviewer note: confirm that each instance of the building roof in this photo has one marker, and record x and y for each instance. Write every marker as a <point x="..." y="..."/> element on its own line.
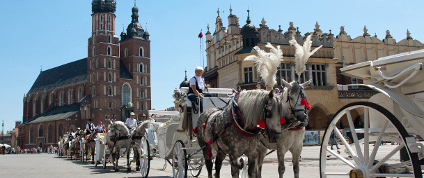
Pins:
<point x="67" y="74"/>
<point x="57" y="113"/>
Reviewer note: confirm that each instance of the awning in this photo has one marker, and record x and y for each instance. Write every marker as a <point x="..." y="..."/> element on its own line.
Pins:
<point x="54" y="117"/>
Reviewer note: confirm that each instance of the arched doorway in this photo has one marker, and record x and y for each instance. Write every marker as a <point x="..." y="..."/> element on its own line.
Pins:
<point x="318" y="118"/>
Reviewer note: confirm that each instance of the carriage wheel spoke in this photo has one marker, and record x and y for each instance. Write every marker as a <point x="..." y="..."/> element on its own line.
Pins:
<point x="341" y="158"/>
<point x="355" y="137"/>
<point x="385" y="158"/>
<point x="366" y="135"/>
<point x="377" y="145"/>
<point x="354" y="156"/>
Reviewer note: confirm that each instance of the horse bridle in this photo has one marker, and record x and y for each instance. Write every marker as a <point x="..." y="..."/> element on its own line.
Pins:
<point x="293" y="108"/>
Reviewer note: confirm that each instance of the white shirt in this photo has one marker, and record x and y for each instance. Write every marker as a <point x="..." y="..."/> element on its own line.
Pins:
<point x="88" y="126"/>
<point x="99" y="127"/>
<point x="200" y="82"/>
<point x="131" y="123"/>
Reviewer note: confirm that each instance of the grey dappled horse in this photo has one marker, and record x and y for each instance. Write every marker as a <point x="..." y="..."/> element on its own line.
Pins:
<point x="221" y="131"/>
<point x="292" y="132"/>
<point x="117" y="138"/>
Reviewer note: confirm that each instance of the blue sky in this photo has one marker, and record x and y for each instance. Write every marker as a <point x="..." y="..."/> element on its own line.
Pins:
<point x="48" y="33"/>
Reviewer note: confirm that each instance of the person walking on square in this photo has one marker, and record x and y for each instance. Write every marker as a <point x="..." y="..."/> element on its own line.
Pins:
<point x="334" y="141"/>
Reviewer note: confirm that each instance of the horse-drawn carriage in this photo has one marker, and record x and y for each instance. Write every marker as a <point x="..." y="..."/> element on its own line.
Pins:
<point x="172" y="136"/>
<point x="385" y="145"/>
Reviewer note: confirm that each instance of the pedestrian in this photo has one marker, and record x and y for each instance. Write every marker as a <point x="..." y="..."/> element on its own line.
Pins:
<point x="334" y="141"/>
<point x="197" y="88"/>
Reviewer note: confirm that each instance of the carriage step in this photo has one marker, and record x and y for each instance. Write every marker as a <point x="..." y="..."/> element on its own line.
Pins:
<point x="192" y="148"/>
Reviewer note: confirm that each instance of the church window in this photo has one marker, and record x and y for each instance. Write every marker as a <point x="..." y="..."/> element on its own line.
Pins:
<point x="31" y="135"/>
<point x="110" y="91"/>
<point x="61" y="99"/>
<point x="94" y="52"/>
<point x="217" y="37"/>
<point x="126" y="52"/>
<point x="33" y="108"/>
<point x="109" y="77"/>
<point x="141" y="52"/>
<point x="42" y="105"/>
<point x="50" y="134"/>
<point x="40" y="131"/>
<point x="101" y="26"/>
<point x="51" y="98"/>
<point x="141" y="80"/>
<point x="79" y="94"/>
<point x="69" y="97"/>
<point x="141" y="94"/>
<point x="93" y="91"/>
<point x="109" y="39"/>
<point x="141" y="68"/>
<point x="126" y="94"/>
<point x="109" y="64"/>
<point x="248" y="75"/>
<point x="109" y="51"/>
<point x="101" y="18"/>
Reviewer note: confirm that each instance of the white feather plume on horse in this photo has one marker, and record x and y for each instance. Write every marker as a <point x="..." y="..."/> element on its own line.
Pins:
<point x="302" y="53"/>
<point x="267" y="63"/>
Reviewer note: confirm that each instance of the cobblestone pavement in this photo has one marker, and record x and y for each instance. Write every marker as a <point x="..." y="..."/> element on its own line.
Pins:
<point x="49" y="165"/>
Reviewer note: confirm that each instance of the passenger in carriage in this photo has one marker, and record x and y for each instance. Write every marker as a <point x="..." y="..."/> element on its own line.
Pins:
<point x="131" y="122"/>
<point x="99" y="127"/>
<point x="197" y="86"/>
<point x="78" y="132"/>
<point x="89" y="127"/>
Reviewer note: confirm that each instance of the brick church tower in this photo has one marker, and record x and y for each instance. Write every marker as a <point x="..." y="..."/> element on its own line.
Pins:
<point x="135" y="56"/>
<point x="103" y="62"/>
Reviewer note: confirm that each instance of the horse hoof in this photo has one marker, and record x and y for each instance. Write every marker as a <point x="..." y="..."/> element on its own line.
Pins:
<point x="137" y="169"/>
<point x="116" y="170"/>
<point x="92" y="162"/>
<point x="128" y="169"/>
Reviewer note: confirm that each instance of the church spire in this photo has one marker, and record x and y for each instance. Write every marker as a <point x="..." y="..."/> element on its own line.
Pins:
<point x="248" y="17"/>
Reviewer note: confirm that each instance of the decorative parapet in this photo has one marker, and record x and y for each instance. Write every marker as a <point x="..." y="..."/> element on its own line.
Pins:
<point x="278" y="37"/>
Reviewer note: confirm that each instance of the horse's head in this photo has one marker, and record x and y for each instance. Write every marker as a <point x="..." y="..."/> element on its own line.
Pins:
<point x="294" y="103"/>
<point x="117" y="129"/>
<point x="272" y="117"/>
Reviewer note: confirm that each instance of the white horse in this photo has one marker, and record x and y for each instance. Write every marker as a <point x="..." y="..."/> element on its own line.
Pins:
<point x="293" y="131"/>
<point x="118" y="137"/>
<point x="136" y="135"/>
<point x="234" y="130"/>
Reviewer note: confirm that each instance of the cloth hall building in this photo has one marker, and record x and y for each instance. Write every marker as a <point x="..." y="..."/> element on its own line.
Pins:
<point x="226" y="48"/>
<point x="112" y="81"/>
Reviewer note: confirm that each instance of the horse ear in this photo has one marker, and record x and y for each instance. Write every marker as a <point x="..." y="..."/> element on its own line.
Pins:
<point x="286" y="84"/>
<point x="303" y="85"/>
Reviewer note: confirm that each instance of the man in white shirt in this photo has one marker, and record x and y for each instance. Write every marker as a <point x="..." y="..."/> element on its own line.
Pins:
<point x="197" y="86"/>
<point x="131" y="122"/>
<point x="89" y="127"/>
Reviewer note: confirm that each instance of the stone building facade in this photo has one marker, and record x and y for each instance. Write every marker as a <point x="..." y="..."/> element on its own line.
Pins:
<point x="112" y="81"/>
<point x="226" y="49"/>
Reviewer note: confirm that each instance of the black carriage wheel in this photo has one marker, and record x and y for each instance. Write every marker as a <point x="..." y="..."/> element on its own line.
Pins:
<point x="359" y="162"/>
<point x="144" y="154"/>
<point x="179" y="160"/>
